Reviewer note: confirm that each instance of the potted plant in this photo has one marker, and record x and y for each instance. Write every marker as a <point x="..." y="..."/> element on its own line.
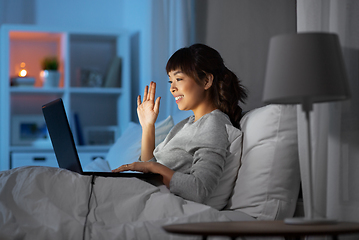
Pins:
<point x="50" y="74"/>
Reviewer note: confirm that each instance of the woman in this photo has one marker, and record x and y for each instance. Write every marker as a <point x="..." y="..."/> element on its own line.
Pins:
<point x="192" y="157"/>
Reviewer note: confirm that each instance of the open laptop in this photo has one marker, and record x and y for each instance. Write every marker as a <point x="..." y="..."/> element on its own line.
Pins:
<point x="64" y="144"/>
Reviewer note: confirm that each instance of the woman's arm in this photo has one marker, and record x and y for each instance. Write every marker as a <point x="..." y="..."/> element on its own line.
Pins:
<point x="147" y="142"/>
<point x="147" y="112"/>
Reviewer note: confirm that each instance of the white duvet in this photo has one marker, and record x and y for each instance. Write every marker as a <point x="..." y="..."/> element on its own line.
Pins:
<point x="52" y="203"/>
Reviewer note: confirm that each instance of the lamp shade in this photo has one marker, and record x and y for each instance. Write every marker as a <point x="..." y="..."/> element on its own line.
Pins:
<point x="305" y="67"/>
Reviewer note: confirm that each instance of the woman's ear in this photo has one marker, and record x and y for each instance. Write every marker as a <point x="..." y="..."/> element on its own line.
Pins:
<point x="209" y="81"/>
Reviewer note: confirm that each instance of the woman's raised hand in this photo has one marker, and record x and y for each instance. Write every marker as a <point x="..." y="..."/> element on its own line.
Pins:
<point x="148" y="109"/>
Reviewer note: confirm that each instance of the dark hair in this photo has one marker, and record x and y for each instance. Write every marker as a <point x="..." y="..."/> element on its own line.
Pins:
<point x="226" y="91"/>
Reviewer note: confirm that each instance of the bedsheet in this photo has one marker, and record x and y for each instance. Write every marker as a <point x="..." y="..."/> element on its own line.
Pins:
<point x="52" y="203"/>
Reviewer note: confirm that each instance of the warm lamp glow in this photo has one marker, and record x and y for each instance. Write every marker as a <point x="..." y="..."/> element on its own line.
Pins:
<point x="43" y="74"/>
<point x="22" y="72"/>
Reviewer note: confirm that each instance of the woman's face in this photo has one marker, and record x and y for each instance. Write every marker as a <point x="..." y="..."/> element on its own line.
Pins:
<point x="189" y="95"/>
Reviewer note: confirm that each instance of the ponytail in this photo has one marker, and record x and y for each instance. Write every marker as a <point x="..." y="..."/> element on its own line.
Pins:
<point x="227" y="93"/>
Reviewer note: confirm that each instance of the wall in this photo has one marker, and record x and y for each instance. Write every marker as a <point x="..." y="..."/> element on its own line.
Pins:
<point x="17" y="11"/>
<point x="67" y="13"/>
<point x="79" y="13"/>
<point x="241" y="31"/>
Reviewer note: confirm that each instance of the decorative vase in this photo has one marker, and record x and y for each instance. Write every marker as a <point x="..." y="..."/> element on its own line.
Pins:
<point x="50" y="78"/>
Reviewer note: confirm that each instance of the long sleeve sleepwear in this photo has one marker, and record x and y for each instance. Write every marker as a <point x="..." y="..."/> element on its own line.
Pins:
<point x="197" y="152"/>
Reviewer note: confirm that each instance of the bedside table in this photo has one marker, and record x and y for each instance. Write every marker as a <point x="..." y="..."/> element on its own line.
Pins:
<point x="262" y="229"/>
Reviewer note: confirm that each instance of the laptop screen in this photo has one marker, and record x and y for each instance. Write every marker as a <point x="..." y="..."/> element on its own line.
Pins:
<point x="61" y="136"/>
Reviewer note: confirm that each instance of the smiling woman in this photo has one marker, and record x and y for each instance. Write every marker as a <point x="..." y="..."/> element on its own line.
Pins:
<point x="193" y="157"/>
<point x="190" y="95"/>
<point x="205" y="67"/>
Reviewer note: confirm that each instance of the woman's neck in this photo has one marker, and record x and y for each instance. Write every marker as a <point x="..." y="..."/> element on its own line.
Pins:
<point x="198" y="113"/>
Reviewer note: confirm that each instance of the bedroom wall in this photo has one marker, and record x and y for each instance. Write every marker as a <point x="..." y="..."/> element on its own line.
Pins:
<point x="17" y="11"/>
<point x="68" y="13"/>
<point x="240" y="30"/>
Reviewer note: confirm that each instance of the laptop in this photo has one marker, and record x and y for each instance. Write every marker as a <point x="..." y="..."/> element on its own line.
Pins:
<point x="64" y="145"/>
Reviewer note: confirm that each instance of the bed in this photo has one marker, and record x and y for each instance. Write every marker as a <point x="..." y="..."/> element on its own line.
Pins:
<point x="53" y="203"/>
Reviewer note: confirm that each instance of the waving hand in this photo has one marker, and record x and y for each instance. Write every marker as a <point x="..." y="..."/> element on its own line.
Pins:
<point x="148" y="109"/>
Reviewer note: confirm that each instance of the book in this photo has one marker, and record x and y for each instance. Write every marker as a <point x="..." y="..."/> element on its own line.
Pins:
<point x="113" y="76"/>
<point x="79" y="137"/>
<point x="22" y="81"/>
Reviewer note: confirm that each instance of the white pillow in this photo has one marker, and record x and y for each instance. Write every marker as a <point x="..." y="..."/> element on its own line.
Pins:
<point x="222" y="193"/>
<point x="124" y="150"/>
<point x="162" y="129"/>
<point x="268" y="180"/>
<point x="127" y="147"/>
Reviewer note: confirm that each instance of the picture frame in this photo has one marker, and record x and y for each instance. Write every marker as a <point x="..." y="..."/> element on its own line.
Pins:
<point x="89" y="77"/>
<point x="28" y="129"/>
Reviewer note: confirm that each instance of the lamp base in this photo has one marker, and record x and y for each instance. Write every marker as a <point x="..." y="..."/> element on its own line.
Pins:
<point x="309" y="221"/>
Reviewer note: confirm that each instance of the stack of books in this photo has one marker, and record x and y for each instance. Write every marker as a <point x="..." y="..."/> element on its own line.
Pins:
<point x="23" y="81"/>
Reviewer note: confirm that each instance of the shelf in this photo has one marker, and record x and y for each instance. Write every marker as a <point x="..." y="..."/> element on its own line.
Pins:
<point x="35" y="90"/>
<point x="89" y="90"/>
<point x="31" y="149"/>
<point x="85" y="148"/>
<point x="87" y="58"/>
<point x="31" y="48"/>
<point x="93" y="148"/>
<point x="76" y="90"/>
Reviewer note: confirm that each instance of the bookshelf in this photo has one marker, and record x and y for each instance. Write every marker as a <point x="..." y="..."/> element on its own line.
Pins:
<point x="81" y="53"/>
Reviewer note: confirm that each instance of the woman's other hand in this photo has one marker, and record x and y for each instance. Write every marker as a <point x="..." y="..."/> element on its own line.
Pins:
<point x="148" y="109"/>
<point x="144" y="167"/>
<point x="147" y="167"/>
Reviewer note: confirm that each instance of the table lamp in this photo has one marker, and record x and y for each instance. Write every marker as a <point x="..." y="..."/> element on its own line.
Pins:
<point x="305" y="68"/>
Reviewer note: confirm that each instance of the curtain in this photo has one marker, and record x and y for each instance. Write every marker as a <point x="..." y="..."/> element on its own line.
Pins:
<point x="335" y="126"/>
<point x="159" y="28"/>
<point x="173" y="25"/>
